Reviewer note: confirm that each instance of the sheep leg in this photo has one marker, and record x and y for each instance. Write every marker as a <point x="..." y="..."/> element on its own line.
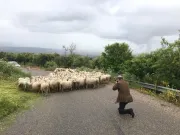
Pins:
<point x="49" y="90"/>
<point x="62" y="88"/>
<point x="56" y="88"/>
<point x="93" y="86"/>
<point x="46" y="92"/>
<point x="43" y="91"/>
<point x="25" y="87"/>
<point x="59" y="88"/>
<point x="78" y="87"/>
<point x="39" y="91"/>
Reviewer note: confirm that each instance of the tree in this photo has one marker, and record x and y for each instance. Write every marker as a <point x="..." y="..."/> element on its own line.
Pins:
<point x="59" y="60"/>
<point x="160" y="66"/>
<point x="115" y="56"/>
<point x="97" y="62"/>
<point x="168" y="63"/>
<point x="164" y="42"/>
<point x="50" y="65"/>
<point x="140" y="65"/>
<point x="72" y="47"/>
<point x="77" y="61"/>
<point x="41" y="59"/>
<point x="65" y="49"/>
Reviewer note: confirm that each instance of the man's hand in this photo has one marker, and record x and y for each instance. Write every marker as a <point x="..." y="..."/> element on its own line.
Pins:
<point x="115" y="87"/>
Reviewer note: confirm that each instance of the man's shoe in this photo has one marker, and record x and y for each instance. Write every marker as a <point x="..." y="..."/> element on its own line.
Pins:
<point x="132" y="113"/>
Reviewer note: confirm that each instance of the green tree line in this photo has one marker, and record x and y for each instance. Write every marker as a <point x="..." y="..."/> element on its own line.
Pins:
<point x="50" y="60"/>
<point x="161" y="67"/>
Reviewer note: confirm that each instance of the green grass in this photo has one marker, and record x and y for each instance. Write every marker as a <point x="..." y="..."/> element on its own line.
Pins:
<point x="12" y="100"/>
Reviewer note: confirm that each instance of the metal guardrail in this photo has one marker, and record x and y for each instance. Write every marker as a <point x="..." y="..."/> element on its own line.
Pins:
<point x="157" y="89"/>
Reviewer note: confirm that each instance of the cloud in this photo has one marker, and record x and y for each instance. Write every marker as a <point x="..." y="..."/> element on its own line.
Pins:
<point x="53" y="23"/>
<point x="64" y="20"/>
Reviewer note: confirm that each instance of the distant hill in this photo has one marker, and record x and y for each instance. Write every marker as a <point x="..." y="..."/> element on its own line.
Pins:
<point x="29" y="49"/>
<point x="41" y="50"/>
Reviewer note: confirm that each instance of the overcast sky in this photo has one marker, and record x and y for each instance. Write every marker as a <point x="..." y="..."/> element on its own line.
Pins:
<point x="93" y="23"/>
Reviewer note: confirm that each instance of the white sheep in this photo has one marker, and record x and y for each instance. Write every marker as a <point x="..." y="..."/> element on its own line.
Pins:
<point x="108" y="77"/>
<point x="35" y="86"/>
<point x="54" y="85"/>
<point x="66" y="85"/>
<point x="64" y="78"/>
<point x="23" y="83"/>
<point x="45" y="87"/>
<point x="92" y="81"/>
<point x="80" y="83"/>
<point x="103" y="78"/>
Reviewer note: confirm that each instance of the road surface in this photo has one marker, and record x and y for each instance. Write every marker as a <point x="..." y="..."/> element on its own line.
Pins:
<point x="93" y="112"/>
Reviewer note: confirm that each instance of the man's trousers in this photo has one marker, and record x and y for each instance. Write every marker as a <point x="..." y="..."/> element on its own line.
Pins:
<point x="122" y="109"/>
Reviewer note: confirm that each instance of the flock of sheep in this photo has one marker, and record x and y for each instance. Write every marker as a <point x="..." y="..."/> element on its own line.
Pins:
<point x="63" y="79"/>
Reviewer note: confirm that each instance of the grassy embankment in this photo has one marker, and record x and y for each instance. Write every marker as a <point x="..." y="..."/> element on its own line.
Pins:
<point x="168" y="96"/>
<point x="12" y="100"/>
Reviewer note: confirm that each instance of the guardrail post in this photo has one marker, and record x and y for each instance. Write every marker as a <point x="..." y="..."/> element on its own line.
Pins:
<point x="156" y="88"/>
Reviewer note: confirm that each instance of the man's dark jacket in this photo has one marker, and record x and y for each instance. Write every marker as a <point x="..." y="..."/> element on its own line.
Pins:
<point x="123" y="92"/>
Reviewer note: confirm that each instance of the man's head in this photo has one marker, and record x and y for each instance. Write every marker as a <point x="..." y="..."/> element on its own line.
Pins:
<point x="119" y="78"/>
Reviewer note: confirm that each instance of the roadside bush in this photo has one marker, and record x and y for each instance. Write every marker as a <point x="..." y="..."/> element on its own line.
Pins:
<point x="128" y="76"/>
<point x="170" y="96"/>
<point x="50" y="65"/>
<point x="8" y="71"/>
<point x="11" y="99"/>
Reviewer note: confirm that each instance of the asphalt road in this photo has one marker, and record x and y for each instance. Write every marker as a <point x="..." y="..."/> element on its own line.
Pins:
<point x="93" y="112"/>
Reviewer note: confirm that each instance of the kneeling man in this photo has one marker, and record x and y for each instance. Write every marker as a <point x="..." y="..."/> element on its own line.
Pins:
<point x="124" y="96"/>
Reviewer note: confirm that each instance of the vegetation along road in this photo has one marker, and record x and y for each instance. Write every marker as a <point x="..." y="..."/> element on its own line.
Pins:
<point x="93" y="112"/>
